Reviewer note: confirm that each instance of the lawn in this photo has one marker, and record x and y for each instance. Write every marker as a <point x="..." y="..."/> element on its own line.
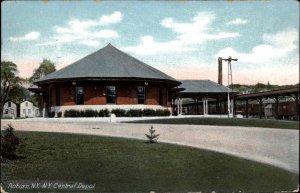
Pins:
<point x="127" y="165"/>
<point x="228" y="122"/>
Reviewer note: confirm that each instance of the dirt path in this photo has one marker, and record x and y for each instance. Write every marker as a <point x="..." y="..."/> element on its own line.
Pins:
<point x="279" y="147"/>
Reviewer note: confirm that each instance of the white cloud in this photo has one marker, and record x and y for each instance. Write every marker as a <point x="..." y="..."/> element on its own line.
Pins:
<point x="115" y="17"/>
<point x="237" y="21"/>
<point x="90" y="43"/>
<point x="30" y="36"/>
<point x="285" y="39"/>
<point x="198" y="30"/>
<point x="275" y="46"/>
<point x="86" y="32"/>
<point x="149" y="47"/>
<point x="188" y="34"/>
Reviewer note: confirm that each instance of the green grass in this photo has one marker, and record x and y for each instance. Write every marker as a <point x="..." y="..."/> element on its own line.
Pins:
<point x="126" y="165"/>
<point x="228" y="122"/>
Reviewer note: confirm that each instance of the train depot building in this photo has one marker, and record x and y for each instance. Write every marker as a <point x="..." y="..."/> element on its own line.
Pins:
<point x="107" y="79"/>
<point x="111" y="79"/>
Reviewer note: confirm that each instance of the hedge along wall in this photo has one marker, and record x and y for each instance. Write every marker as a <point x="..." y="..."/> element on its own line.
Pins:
<point x="117" y="112"/>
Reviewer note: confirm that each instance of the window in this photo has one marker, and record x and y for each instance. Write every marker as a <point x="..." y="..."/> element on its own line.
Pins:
<point x="6" y="111"/>
<point x="57" y="96"/>
<point x="141" y="94"/>
<point x="26" y="104"/>
<point x="110" y="94"/>
<point x="169" y="97"/>
<point x="24" y="111"/>
<point x="160" y="97"/>
<point x="9" y="104"/>
<point x="12" y="111"/>
<point x="79" y="96"/>
<point x="29" y="111"/>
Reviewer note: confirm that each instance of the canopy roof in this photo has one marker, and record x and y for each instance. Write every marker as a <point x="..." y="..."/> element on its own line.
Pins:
<point x="203" y="86"/>
<point x="108" y="63"/>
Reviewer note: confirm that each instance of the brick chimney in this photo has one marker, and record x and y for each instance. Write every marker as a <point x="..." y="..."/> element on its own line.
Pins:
<point x="220" y="77"/>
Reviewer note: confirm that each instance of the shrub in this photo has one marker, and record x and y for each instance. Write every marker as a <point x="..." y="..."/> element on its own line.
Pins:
<point x="119" y="112"/>
<point x="152" y="137"/>
<point x="106" y="113"/>
<point x="91" y="113"/>
<point x="72" y="113"/>
<point x="51" y="114"/>
<point x="134" y="113"/>
<point x="103" y="113"/>
<point x="148" y="112"/>
<point x="10" y="144"/>
<point x="59" y="114"/>
<point x="162" y="112"/>
<point x="81" y="113"/>
<point x="66" y="113"/>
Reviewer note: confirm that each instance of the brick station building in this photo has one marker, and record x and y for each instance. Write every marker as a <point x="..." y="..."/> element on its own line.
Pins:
<point x="108" y="78"/>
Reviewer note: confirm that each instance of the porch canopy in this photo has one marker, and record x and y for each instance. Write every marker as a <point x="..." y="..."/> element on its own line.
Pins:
<point x="205" y="91"/>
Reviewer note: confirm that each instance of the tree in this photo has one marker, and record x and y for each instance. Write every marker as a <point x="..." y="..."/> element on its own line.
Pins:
<point x="9" y="80"/>
<point x="11" y="145"/>
<point x="18" y="93"/>
<point x="46" y="67"/>
<point x="152" y="137"/>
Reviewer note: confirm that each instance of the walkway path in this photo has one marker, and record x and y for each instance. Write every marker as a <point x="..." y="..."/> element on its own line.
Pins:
<point x="279" y="147"/>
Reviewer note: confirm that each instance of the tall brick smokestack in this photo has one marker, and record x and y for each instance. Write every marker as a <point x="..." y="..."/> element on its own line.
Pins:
<point x="220" y="77"/>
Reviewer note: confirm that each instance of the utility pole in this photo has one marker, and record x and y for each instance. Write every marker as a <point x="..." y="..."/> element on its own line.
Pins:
<point x="229" y="59"/>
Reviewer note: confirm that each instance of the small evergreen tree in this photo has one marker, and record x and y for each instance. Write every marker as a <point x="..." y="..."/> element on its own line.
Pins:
<point x="152" y="137"/>
<point x="10" y="144"/>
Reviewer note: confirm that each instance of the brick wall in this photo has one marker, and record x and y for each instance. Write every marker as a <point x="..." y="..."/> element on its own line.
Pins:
<point x="94" y="93"/>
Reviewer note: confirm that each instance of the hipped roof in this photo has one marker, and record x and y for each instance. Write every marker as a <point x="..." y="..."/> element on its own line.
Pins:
<point x="108" y="63"/>
<point x="202" y="86"/>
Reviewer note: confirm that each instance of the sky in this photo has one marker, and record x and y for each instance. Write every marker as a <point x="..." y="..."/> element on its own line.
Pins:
<point x="181" y="38"/>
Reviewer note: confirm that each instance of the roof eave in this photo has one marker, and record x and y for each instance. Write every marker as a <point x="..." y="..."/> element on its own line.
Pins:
<point x="48" y="81"/>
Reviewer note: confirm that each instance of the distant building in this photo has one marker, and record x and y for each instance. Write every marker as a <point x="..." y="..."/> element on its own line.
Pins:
<point x="9" y="110"/>
<point x="28" y="110"/>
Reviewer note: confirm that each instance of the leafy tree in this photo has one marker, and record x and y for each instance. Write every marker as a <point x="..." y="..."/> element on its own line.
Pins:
<point x="9" y="80"/>
<point x="152" y="137"/>
<point x="17" y="93"/>
<point x="46" y="67"/>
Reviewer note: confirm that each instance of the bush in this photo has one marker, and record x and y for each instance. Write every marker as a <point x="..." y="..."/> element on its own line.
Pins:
<point x="51" y="114"/>
<point x="10" y="144"/>
<point x="148" y="112"/>
<point x="72" y="113"/>
<point x="59" y="114"/>
<point x="91" y="113"/>
<point x="162" y="112"/>
<point x="134" y="113"/>
<point x="119" y="112"/>
<point x="103" y="113"/>
<point x="66" y="113"/>
<point x="81" y="113"/>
